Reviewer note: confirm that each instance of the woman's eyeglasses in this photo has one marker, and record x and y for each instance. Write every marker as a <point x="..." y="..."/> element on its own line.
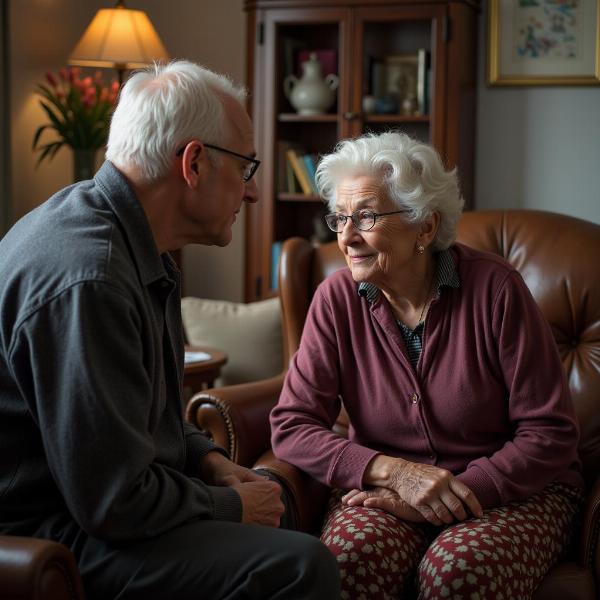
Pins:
<point x="362" y="219"/>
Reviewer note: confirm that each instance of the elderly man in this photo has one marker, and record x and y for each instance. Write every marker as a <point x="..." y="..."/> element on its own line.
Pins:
<point x="93" y="449"/>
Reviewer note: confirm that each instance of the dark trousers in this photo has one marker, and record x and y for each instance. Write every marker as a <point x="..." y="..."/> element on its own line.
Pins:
<point x="205" y="560"/>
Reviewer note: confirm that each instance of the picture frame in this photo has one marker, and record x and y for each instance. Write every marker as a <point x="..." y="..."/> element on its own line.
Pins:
<point x="394" y="83"/>
<point x="543" y="42"/>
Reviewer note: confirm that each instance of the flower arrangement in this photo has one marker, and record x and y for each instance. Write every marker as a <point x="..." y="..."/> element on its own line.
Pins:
<point x="79" y="109"/>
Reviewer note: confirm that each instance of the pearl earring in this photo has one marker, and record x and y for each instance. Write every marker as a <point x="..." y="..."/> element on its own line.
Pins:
<point x="420" y="248"/>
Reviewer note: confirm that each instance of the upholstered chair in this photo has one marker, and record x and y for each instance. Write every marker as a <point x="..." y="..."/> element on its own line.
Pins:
<point x="559" y="259"/>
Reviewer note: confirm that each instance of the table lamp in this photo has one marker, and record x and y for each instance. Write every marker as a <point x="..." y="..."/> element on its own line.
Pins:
<point x="119" y="38"/>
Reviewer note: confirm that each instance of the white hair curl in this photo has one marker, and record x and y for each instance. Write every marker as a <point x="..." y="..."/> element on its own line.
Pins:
<point x="163" y="107"/>
<point x="412" y="175"/>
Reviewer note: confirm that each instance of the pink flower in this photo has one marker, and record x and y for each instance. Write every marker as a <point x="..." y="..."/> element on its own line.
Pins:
<point x="89" y="98"/>
<point x="81" y="108"/>
<point x="74" y="73"/>
<point x="51" y="79"/>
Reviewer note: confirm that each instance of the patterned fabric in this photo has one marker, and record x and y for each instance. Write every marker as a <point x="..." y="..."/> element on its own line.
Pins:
<point x="504" y="555"/>
<point x="413" y="338"/>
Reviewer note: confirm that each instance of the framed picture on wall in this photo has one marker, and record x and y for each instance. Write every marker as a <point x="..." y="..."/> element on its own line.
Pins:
<point x="544" y="42"/>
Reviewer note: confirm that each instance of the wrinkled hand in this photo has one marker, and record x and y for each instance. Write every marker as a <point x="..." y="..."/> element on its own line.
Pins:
<point x="384" y="499"/>
<point x="432" y="491"/>
<point x="261" y="498"/>
<point x="216" y="469"/>
<point x="261" y="502"/>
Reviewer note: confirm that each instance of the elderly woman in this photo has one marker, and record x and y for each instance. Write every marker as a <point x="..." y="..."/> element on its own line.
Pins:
<point x="460" y="474"/>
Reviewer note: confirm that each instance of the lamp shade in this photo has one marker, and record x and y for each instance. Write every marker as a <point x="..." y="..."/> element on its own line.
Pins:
<point x="118" y="38"/>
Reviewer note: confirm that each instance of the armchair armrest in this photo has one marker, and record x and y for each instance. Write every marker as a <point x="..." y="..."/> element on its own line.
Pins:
<point x="237" y="417"/>
<point x="35" y="568"/>
<point x="307" y="497"/>
<point x="589" y="548"/>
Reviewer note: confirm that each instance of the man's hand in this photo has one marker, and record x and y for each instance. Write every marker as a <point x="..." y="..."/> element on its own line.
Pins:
<point x="261" y="498"/>
<point x="434" y="492"/>
<point x="385" y="499"/>
<point x="261" y="502"/>
<point x="216" y="469"/>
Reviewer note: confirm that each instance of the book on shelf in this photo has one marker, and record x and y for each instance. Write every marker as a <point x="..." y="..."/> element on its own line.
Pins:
<point x="300" y="171"/>
<point x="292" y="183"/>
<point x="275" y="254"/>
<point x="286" y="180"/>
<point x="422" y="81"/>
<point x="310" y="162"/>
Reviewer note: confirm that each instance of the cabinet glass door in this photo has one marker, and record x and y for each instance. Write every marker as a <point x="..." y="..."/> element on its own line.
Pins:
<point x="401" y="53"/>
<point x="301" y="65"/>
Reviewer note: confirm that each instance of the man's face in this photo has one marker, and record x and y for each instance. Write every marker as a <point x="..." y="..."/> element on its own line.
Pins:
<point x="222" y="190"/>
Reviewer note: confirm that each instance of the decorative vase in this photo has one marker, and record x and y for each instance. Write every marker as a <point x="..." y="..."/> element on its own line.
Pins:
<point x="312" y="94"/>
<point x="84" y="164"/>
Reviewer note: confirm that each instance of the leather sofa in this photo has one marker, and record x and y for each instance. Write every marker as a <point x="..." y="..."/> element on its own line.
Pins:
<point x="559" y="259"/>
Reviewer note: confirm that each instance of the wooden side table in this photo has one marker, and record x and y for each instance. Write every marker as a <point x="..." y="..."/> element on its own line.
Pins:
<point x="200" y="375"/>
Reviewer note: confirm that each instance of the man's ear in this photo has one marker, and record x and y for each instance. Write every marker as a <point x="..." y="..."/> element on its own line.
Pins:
<point x="193" y="162"/>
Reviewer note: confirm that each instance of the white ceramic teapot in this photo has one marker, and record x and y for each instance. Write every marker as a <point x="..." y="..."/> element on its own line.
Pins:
<point x="312" y="94"/>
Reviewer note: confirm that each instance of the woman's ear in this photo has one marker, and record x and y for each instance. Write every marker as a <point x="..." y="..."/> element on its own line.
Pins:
<point x="428" y="229"/>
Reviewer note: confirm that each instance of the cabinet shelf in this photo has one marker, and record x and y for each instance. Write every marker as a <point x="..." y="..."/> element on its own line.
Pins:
<point x="296" y="118"/>
<point x="292" y="197"/>
<point x="396" y="119"/>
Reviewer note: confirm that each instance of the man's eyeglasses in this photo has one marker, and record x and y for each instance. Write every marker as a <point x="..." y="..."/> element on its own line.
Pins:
<point x="362" y="219"/>
<point x="251" y="166"/>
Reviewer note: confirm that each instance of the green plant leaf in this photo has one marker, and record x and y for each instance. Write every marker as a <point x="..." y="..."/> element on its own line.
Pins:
<point x="38" y="133"/>
<point x="46" y="150"/>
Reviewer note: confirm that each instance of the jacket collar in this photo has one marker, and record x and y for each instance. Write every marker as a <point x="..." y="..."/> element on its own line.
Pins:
<point x="135" y="226"/>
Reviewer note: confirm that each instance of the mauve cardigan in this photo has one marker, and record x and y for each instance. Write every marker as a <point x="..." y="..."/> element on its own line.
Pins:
<point x="487" y="400"/>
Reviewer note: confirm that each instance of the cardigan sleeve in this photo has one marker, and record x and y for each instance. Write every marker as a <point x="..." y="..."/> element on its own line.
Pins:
<point x="540" y="410"/>
<point x="309" y="405"/>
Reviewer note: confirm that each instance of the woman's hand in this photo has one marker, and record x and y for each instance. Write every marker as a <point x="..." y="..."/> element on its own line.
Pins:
<point x="435" y="493"/>
<point x="385" y="499"/>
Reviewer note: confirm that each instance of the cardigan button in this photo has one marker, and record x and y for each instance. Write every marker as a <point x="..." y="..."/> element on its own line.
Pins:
<point x="414" y="398"/>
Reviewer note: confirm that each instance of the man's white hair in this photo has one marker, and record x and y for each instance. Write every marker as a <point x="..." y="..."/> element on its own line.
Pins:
<point x="163" y="107"/>
<point x="411" y="172"/>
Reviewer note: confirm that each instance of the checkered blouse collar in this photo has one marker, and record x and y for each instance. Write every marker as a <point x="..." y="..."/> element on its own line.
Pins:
<point x="446" y="276"/>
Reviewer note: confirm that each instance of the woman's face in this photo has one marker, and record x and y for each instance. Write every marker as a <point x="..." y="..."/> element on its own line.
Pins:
<point x="376" y="256"/>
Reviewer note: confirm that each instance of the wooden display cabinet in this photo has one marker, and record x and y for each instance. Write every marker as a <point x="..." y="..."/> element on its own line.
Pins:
<point x="415" y="59"/>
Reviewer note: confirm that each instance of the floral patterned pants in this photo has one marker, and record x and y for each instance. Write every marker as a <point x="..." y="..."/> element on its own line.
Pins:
<point x="503" y="555"/>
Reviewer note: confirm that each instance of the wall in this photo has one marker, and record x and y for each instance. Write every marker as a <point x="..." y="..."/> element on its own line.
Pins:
<point x="212" y="33"/>
<point x="5" y="207"/>
<point x="537" y="147"/>
<point x="43" y="32"/>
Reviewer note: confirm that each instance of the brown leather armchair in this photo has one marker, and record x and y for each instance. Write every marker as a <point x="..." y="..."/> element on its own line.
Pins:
<point x="559" y="258"/>
<point x="37" y="569"/>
